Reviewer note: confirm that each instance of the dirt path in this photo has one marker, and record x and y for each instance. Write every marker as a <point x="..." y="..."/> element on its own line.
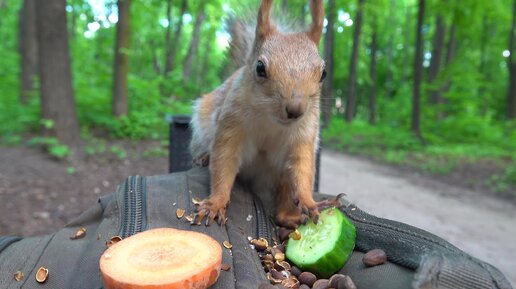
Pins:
<point x="480" y="225"/>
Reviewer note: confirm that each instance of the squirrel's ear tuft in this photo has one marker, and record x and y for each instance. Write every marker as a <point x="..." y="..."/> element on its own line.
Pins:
<point x="264" y="26"/>
<point x="317" y="11"/>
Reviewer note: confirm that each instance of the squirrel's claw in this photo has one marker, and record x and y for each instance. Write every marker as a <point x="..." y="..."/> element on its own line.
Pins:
<point x="206" y="209"/>
<point x="328" y="203"/>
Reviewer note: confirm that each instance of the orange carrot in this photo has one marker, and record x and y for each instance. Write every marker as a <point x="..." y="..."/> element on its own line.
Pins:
<point x="162" y="258"/>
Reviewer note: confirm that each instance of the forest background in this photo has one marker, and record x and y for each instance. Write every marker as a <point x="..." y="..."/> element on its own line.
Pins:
<point x="428" y="85"/>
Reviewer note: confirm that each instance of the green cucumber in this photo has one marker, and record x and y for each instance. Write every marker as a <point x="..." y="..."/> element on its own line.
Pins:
<point x="323" y="248"/>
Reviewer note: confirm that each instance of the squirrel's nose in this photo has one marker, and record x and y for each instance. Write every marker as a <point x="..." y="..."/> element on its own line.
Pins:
<point x="294" y="110"/>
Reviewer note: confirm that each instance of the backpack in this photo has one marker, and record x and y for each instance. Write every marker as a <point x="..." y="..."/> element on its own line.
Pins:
<point x="416" y="258"/>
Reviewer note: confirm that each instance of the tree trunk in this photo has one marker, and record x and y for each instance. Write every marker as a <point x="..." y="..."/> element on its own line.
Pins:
<point x="435" y="62"/>
<point x="121" y="65"/>
<point x="418" y="69"/>
<point x="327" y="89"/>
<point x="194" y="45"/>
<point x="28" y="45"/>
<point x="406" y="71"/>
<point x="168" y="47"/>
<point x="389" y="51"/>
<point x="284" y="7"/>
<point x="511" y="93"/>
<point x="57" y="96"/>
<point x="373" y="75"/>
<point x="350" y="106"/>
<point x="177" y="35"/>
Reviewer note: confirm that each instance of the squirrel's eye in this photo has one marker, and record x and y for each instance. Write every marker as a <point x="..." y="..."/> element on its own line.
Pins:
<point x="260" y="69"/>
<point x="323" y="76"/>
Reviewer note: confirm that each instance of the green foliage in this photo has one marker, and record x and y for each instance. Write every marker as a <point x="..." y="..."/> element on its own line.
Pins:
<point x="118" y="151"/>
<point x="52" y="145"/>
<point x="440" y="155"/>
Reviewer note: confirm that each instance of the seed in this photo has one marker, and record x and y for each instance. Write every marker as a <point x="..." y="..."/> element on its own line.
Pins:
<point x="79" y="234"/>
<point x="227" y="245"/>
<point x="189" y="218"/>
<point x="283" y="233"/>
<point x="282" y="265"/>
<point x="279" y="256"/>
<point x="18" y="276"/>
<point x="225" y="267"/>
<point x="280" y="248"/>
<point x="268" y="265"/>
<point x="307" y="278"/>
<point x="304" y="286"/>
<point x="374" y="257"/>
<point x="296" y="271"/>
<point x="272" y="279"/>
<point x="268" y="257"/>
<point x="180" y="212"/>
<point x="290" y="283"/>
<point x="346" y="283"/>
<point x="295" y="235"/>
<point x="42" y="275"/>
<point x="196" y="201"/>
<point x="260" y="244"/>
<point x="277" y="274"/>
<point x="113" y="240"/>
<point x="321" y="284"/>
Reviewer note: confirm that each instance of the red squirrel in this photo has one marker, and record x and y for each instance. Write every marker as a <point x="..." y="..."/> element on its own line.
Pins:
<point x="263" y="121"/>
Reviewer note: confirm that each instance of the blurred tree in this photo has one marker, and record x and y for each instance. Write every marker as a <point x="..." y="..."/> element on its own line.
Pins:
<point x="511" y="64"/>
<point x="57" y="95"/>
<point x="373" y="75"/>
<point x="352" y="79"/>
<point x="194" y="44"/>
<point x="327" y="89"/>
<point x="172" y="50"/>
<point x="436" y="60"/>
<point x="418" y="71"/>
<point x="121" y="64"/>
<point x="28" y="46"/>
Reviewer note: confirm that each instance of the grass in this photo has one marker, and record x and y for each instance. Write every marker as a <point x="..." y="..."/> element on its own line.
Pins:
<point x="441" y="155"/>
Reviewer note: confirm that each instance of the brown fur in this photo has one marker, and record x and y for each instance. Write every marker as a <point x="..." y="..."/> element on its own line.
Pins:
<point x="246" y="128"/>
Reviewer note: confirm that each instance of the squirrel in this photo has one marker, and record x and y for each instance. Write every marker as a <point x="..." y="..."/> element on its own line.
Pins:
<point x="264" y="119"/>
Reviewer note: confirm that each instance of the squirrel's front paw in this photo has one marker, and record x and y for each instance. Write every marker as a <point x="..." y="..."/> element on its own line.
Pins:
<point x="211" y="210"/>
<point x="300" y="214"/>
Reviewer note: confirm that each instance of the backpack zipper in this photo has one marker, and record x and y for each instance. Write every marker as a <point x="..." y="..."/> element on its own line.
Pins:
<point x="134" y="212"/>
<point x="264" y="228"/>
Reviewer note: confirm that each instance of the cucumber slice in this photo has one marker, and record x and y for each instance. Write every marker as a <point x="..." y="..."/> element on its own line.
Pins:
<point x="323" y="248"/>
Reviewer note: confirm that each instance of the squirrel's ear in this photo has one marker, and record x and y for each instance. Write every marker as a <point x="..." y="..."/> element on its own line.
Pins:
<point x="264" y="26"/>
<point x="317" y="11"/>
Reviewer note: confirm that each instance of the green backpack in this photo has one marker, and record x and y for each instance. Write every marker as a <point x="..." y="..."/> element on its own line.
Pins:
<point x="416" y="259"/>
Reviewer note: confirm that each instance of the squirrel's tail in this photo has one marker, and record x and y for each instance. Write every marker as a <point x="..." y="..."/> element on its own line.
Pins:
<point x="242" y="34"/>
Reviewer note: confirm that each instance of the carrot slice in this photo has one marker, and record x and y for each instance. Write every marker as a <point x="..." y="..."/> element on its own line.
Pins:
<point x="162" y="258"/>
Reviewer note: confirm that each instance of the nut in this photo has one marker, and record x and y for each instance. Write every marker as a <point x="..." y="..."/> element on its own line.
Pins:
<point x="266" y="286"/>
<point x="277" y="274"/>
<point x="307" y="278"/>
<point x="283" y="233"/>
<point x="225" y="267"/>
<point x="79" y="234"/>
<point x="340" y="281"/>
<point x="282" y="265"/>
<point x="296" y="271"/>
<point x="227" y="245"/>
<point x="260" y="244"/>
<point x="304" y="286"/>
<point x="295" y="235"/>
<point x="42" y="275"/>
<point x="196" y="201"/>
<point x="113" y="240"/>
<point x="18" y="276"/>
<point x="180" y="212"/>
<point x="374" y="257"/>
<point x="321" y="284"/>
<point x="290" y="283"/>
<point x="279" y="256"/>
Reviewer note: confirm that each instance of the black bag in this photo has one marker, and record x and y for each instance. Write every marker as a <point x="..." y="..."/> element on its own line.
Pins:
<point x="416" y="259"/>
